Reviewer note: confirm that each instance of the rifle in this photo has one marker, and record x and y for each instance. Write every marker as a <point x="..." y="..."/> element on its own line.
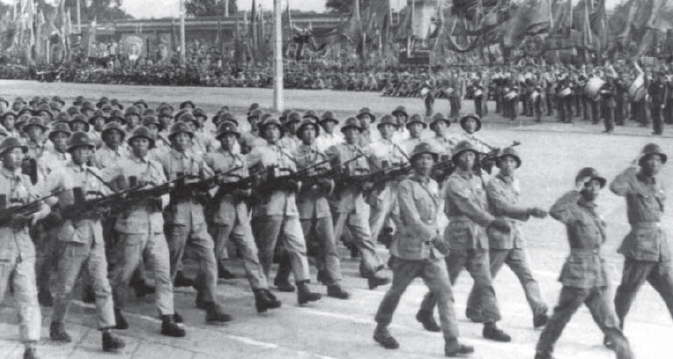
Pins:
<point x="443" y="169"/>
<point x="204" y="185"/>
<point x="275" y="181"/>
<point x="28" y="209"/>
<point x="488" y="160"/>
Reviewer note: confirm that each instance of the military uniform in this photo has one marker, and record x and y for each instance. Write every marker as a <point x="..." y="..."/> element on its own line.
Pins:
<point x="583" y="276"/>
<point x="646" y="250"/>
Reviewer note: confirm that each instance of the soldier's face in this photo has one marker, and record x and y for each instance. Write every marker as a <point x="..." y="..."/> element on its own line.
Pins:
<point x="439" y="127"/>
<point x="98" y="124"/>
<point x="415" y="130"/>
<point x="308" y="135"/>
<point x="387" y="131"/>
<point x="60" y="141"/>
<point x="12" y="158"/>
<point x="466" y="160"/>
<point x="165" y="120"/>
<point x="81" y="154"/>
<point x="132" y="120"/>
<point x="8" y="122"/>
<point x="423" y="164"/>
<point x="591" y="190"/>
<point x="153" y="129"/>
<point x="272" y="133"/>
<point x="328" y="126"/>
<point x="507" y="165"/>
<point x="470" y="125"/>
<point x="87" y="113"/>
<point x="365" y="121"/>
<point x="228" y="140"/>
<point x="651" y="165"/>
<point x="292" y="127"/>
<point x="140" y="146"/>
<point x="401" y="120"/>
<point x="34" y="133"/>
<point x="113" y="139"/>
<point x="182" y="141"/>
<point x="78" y="126"/>
<point x="351" y="135"/>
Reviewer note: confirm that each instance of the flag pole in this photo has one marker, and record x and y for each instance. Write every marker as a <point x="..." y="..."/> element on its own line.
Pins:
<point x="278" y="100"/>
<point x="183" y="49"/>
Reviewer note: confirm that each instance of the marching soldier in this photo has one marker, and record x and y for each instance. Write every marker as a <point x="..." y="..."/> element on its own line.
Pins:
<point x="16" y="248"/>
<point x="646" y="250"/>
<point x="658" y="92"/>
<point x="81" y="238"/>
<point x="441" y="142"/>
<point x="564" y="98"/>
<point x="583" y="276"/>
<point x="186" y="223"/>
<point x="327" y="137"/>
<point x="385" y="152"/>
<point x="349" y="205"/>
<point x="230" y="216"/>
<point x="314" y="211"/>
<point x="418" y="250"/>
<point x="276" y="215"/>
<point x="608" y="104"/>
<point x="503" y="197"/>
<point x="252" y="139"/>
<point x="466" y="207"/>
<point x="141" y="236"/>
<point x="367" y="136"/>
<point x="401" y="117"/>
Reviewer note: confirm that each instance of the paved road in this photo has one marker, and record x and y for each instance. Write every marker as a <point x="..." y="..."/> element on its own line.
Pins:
<point x="552" y="154"/>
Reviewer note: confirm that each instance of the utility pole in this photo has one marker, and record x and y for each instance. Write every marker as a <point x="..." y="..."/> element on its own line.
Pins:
<point x="79" y="17"/>
<point x="278" y="100"/>
<point x="183" y="45"/>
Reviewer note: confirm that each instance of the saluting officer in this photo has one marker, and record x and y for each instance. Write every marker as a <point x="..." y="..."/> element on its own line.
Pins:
<point x="503" y="192"/>
<point x="81" y="239"/>
<point x="276" y="215"/>
<point x="645" y="248"/>
<point x="466" y="207"/>
<point x="349" y="205"/>
<point x="16" y="248"/>
<point x="418" y="250"/>
<point x="141" y="236"/>
<point x="583" y="276"/>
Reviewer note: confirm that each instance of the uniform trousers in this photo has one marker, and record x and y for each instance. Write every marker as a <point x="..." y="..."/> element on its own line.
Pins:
<point x="267" y="230"/>
<point x="656" y="110"/>
<point x="153" y="249"/>
<point x="435" y="275"/>
<point x="241" y="234"/>
<point x="517" y="260"/>
<point x="658" y="274"/>
<point x="358" y="227"/>
<point x="383" y="206"/>
<point x="476" y="261"/>
<point x="196" y="235"/>
<point x="18" y="272"/>
<point x="46" y="261"/>
<point x="598" y="302"/>
<point x="74" y="256"/>
<point x="321" y="231"/>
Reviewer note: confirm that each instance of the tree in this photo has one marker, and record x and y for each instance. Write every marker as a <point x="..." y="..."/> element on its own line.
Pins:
<point x="102" y="10"/>
<point x="345" y="6"/>
<point x="199" y="8"/>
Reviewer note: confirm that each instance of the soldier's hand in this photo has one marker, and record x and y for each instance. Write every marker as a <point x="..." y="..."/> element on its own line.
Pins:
<point x="579" y="185"/>
<point x="19" y="221"/>
<point x="440" y="244"/>
<point x="537" y="212"/>
<point x="501" y="225"/>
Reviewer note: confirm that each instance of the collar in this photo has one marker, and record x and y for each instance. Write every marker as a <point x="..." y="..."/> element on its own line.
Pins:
<point x="177" y="154"/>
<point x="137" y="159"/>
<point x="590" y="205"/>
<point x="10" y="174"/>
<point x="78" y="168"/>
<point x="308" y="148"/>
<point x="506" y="179"/>
<point x="423" y="181"/>
<point x="646" y="179"/>
<point x="464" y="174"/>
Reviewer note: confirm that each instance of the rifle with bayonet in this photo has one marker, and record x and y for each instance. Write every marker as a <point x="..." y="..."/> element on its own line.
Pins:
<point x="488" y="160"/>
<point x="9" y="214"/>
<point x="278" y="178"/>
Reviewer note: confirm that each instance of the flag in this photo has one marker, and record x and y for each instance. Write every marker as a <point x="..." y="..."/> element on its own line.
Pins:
<point x="531" y="18"/>
<point x="254" y="38"/>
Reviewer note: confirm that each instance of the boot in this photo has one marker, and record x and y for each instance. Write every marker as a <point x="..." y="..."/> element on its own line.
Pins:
<point x="111" y="342"/>
<point x="120" y="320"/>
<point x="170" y="328"/>
<point x="283" y="284"/>
<point x="383" y="337"/>
<point x="424" y="317"/>
<point x="453" y="348"/>
<point x="540" y="355"/>
<point x="376" y="280"/>
<point x="323" y="277"/>
<point x="263" y="301"/>
<point x="491" y="331"/>
<point x="200" y="303"/>
<point x="304" y="294"/>
<point x="177" y="317"/>
<point x="45" y="298"/>
<point x="30" y="353"/>
<point x="57" y="333"/>
<point x="336" y="291"/>
<point x="540" y="320"/>
<point x="215" y="315"/>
